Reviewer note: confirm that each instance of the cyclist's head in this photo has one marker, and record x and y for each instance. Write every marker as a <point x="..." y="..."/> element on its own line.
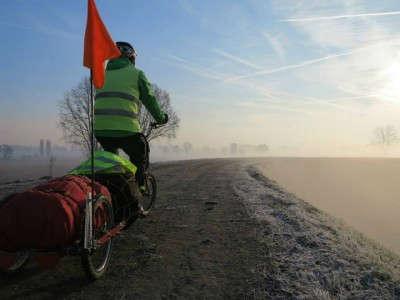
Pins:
<point x="127" y="51"/>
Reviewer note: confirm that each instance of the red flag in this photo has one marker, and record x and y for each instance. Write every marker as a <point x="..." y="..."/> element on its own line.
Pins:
<point x="98" y="45"/>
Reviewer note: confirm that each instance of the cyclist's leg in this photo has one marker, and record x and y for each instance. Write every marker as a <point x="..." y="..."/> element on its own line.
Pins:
<point x="135" y="148"/>
<point x="146" y="151"/>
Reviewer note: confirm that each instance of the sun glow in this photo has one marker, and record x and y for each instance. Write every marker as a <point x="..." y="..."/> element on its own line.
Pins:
<point x="390" y="78"/>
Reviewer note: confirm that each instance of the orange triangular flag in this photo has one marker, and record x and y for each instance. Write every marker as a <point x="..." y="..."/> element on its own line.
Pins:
<point x="98" y="45"/>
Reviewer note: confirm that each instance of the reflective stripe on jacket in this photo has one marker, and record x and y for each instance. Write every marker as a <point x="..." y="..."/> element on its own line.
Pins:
<point x="105" y="163"/>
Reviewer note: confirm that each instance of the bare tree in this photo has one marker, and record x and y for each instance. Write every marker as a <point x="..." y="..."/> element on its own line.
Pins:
<point x="74" y="116"/>
<point x="168" y="130"/>
<point x="385" y="136"/>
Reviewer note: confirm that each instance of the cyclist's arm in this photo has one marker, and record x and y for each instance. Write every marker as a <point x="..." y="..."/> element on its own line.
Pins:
<point x="148" y="99"/>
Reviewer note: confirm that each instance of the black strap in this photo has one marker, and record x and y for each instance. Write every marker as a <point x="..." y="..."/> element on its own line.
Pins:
<point x="115" y="95"/>
<point x="114" y="112"/>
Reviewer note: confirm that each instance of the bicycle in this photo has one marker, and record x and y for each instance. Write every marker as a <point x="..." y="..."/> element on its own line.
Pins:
<point x="108" y="220"/>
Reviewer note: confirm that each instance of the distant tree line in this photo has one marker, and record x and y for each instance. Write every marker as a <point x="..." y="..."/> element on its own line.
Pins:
<point x="233" y="149"/>
<point x="6" y="151"/>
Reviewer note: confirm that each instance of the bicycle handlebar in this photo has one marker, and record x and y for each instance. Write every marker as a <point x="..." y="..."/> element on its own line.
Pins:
<point x="155" y="125"/>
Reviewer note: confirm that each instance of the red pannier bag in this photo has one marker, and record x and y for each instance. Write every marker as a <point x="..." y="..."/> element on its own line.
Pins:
<point x="49" y="216"/>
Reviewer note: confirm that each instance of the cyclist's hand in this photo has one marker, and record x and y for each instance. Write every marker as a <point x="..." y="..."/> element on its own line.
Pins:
<point x="165" y="121"/>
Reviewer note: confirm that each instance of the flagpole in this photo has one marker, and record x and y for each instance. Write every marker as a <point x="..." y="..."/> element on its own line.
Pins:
<point x="88" y="239"/>
<point x="92" y="140"/>
<point x="98" y="47"/>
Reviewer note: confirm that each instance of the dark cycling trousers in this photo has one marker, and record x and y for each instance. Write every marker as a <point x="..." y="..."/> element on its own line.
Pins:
<point x="135" y="146"/>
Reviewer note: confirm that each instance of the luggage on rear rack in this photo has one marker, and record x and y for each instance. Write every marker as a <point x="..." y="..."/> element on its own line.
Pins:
<point x="49" y="216"/>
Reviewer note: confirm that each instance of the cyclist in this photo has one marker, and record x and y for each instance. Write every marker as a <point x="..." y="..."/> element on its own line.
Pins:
<point x="117" y="109"/>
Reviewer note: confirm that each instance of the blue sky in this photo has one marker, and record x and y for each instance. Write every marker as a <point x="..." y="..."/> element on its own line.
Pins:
<point x="308" y="75"/>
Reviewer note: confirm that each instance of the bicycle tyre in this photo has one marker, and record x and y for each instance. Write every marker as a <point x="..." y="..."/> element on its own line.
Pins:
<point x="19" y="264"/>
<point x="93" y="270"/>
<point x="151" y="193"/>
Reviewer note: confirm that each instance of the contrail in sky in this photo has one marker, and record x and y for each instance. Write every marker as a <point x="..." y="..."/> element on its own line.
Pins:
<point x="269" y="93"/>
<point x="289" y="67"/>
<point x="305" y="63"/>
<point x="183" y="63"/>
<point x="43" y="29"/>
<point x="236" y="59"/>
<point x="312" y="19"/>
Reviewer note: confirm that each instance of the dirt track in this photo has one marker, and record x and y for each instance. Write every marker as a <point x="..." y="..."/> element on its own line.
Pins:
<point x="199" y="242"/>
<point x="222" y="230"/>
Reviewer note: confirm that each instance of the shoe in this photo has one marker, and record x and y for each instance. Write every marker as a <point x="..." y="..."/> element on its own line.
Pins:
<point x="142" y="189"/>
<point x="141" y="213"/>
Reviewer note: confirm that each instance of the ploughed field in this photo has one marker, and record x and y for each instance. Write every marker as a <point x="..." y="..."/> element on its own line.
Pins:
<point x="222" y="229"/>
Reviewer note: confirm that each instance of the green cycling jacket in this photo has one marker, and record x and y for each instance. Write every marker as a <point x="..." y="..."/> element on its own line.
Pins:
<point x="118" y="103"/>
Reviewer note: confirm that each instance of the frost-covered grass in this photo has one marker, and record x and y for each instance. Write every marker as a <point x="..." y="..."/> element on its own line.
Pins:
<point x="313" y="255"/>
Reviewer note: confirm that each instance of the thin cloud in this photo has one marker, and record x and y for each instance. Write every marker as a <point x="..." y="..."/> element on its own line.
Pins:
<point x="43" y="29"/>
<point x="354" y="97"/>
<point x="178" y="59"/>
<point x="285" y="99"/>
<point x="290" y="67"/>
<point x="337" y="17"/>
<point x="237" y="59"/>
<point x="304" y="63"/>
<point x="279" y="95"/>
<point x="270" y="106"/>
<point x="275" y="44"/>
<point x="187" y="7"/>
<point x="268" y="93"/>
<point x="333" y="105"/>
<point x="184" y="64"/>
<point x="275" y="96"/>
<point x="15" y="25"/>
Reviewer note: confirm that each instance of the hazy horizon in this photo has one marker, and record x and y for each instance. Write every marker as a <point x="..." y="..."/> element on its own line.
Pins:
<point x="304" y="78"/>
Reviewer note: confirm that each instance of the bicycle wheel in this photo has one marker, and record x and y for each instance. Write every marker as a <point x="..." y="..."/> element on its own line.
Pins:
<point x="21" y="260"/>
<point x="149" y="196"/>
<point x="95" y="263"/>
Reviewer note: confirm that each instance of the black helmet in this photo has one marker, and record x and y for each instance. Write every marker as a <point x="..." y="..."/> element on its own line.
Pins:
<point x="126" y="50"/>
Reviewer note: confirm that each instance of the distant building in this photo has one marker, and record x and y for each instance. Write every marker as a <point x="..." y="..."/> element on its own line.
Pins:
<point x="234" y="148"/>
<point x="48" y="147"/>
<point x="262" y="148"/>
<point x="41" y="147"/>
<point x="188" y="148"/>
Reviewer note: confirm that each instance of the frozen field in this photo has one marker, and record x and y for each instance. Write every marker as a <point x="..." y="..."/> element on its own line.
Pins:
<point x="32" y="169"/>
<point x="364" y="192"/>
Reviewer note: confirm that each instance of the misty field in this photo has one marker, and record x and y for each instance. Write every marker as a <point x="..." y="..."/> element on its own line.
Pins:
<point x="364" y="192"/>
<point x="14" y="170"/>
